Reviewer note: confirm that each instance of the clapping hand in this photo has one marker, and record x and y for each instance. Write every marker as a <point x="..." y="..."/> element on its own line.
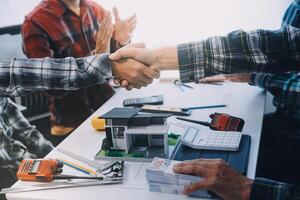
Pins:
<point x="104" y="35"/>
<point x="123" y="28"/>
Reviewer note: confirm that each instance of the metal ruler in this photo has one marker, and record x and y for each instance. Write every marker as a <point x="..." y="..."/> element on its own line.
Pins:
<point x="58" y="185"/>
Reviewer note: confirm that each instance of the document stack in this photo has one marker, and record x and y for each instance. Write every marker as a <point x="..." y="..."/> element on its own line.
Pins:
<point x="161" y="178"/>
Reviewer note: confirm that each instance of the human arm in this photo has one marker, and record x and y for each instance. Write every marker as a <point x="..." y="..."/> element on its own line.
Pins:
<point x="160" y="59"/>
<point x="284" y="86"/>
<point x="237" y="52"/>
<point x="218" y="177"/>
<point x="227" y="183"/>
<point x="240" y="52"/>
<point x="23" y="76"/>
<point x="16" y="126"/>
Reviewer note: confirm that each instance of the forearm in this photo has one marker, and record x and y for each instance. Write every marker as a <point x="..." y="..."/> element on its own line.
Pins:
<point x="23" y="76"/>
<point x="240" y="52"/>
<point x="10" y="116"/>
<point x="167" y="58"/>
<point x="284" y="86"/>
<point x="16" y="126"/>
<point x="269" y="190"/>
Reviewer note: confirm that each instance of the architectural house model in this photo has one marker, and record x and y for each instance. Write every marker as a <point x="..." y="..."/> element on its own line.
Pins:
<point x="134" y="132"/>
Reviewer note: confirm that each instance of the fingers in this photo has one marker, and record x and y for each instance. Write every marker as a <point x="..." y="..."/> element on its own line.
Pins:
<point x="131" y="18"/>
<point x="116" y="14"/>
<point x="198" y="167"/>
<point x="106" y="21"/>
<point x="203" y="184"/>
<point x="141" y="55"/>
<point x="135" y="73"/>
<point x="124" y="84"/>
<point x="190" y="168"/>
<point x="124" y="53"/>
<point x="105" y="29"/>
<point x="217" y="176"/>
<point x="117" y="82"/>
<point x="151" y="73"/>
<point x="144" y="80"/>
<point x="132" y="25"/>
<point x="104" y="35"/>
<point x="211" y="79"/>
<point x="130" y="87"/>
<point x="136" y="45"/>
<point x="239" y="77"/>
<point x="155" y="67"/>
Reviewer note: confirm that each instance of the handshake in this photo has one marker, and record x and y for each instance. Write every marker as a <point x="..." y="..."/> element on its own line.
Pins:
<point x="134" y="66"/>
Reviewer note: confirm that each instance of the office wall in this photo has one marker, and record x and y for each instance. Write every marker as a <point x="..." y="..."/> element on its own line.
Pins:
<point x="172" y="21"/>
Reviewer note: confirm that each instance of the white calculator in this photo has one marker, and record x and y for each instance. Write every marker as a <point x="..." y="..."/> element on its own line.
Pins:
<point x="211" y="140"/>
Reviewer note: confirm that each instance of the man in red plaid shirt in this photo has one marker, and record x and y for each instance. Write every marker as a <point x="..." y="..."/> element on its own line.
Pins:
<point x="74" y="28"/>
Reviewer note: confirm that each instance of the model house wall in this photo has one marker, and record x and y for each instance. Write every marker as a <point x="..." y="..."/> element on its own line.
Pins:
<point x="125" y="129"/>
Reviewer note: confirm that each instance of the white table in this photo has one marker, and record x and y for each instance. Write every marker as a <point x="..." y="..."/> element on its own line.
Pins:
<point x="243" y="101"/>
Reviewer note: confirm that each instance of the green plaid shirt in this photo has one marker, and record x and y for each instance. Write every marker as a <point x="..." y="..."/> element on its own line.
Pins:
<point x="272" y="58"/>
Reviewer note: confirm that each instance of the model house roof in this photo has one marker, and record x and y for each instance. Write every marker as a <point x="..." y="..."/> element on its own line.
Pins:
<point x="121" y="113"/>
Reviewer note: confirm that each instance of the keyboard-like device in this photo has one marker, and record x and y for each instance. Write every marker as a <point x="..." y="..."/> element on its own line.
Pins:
<point x="152" y="100"/>
<point x="211" y="140"/>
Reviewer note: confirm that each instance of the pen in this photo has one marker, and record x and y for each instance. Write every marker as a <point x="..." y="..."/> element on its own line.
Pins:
<point x="78" y="167"/>
<point x="204" y="107"/>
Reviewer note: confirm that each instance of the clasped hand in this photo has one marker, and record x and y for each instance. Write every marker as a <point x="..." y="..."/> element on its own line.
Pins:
<point x="134" y="66"/>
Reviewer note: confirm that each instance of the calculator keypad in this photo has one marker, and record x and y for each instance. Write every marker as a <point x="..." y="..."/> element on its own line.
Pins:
<point x="143" y="100"/>
<point x="212" y="140"/>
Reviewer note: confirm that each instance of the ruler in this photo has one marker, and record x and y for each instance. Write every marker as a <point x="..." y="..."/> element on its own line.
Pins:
<point x="58" y="185"/>
<point x="96" y="165"/>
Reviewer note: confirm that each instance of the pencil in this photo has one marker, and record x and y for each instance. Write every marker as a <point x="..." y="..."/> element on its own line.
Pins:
<point x="204" y="107"/>
<point x="78" y="167"/>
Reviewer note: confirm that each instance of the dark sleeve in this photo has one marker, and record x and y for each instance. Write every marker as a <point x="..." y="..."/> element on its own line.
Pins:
<point x="265" y="189"/>
<point x="284" y="86"/>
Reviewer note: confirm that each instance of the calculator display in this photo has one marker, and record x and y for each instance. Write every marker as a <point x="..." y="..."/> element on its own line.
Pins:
<point x="35" y="166"/>
<point x="190" y="135"/>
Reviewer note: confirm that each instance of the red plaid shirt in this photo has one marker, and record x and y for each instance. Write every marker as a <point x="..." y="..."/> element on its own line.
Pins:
<point x="53" y="30"/>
